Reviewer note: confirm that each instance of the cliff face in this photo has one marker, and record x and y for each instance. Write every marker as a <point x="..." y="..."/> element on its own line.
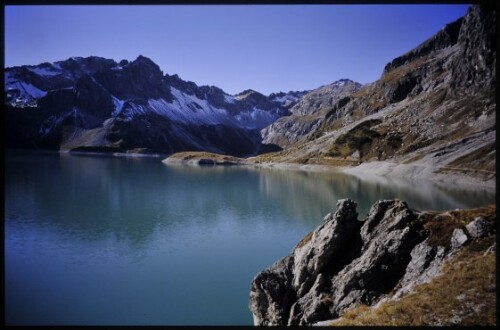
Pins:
<point x="346" y="262"/>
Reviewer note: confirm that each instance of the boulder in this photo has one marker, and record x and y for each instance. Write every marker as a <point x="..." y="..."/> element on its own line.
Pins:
<point x="479" y="227"/>
<point x="458" y="238"/>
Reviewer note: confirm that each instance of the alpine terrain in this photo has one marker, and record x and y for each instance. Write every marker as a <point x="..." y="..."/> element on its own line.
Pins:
<point x="432" y="113"/>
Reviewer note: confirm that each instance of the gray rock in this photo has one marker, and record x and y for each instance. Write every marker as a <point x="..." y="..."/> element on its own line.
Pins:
<point x="458" y="238"/>
<point x="355" y="155"/>
<point x="388" y="239"/>
<point x="327" y="240"/>
<point x="341" y="264"/>
<point x="271" y="294"/>
<point x="426" y="263"/>
<point x="479" y="227"/>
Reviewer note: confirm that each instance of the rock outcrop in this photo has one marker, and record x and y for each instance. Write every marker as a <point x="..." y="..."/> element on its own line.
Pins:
<point x="346" y="262"/>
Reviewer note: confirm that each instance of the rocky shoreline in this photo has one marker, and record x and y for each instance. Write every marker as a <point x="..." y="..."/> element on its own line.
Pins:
<point x="368" y="170"/>
<point x="346" y="263"/>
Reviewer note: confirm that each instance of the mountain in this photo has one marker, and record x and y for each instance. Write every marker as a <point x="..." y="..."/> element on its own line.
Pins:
<point x="308" y="113"/>
<point x="433" y="109"/>
<point x="95" y="103"/>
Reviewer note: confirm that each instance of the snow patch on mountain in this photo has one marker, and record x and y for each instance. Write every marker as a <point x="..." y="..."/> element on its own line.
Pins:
<point x="26" y="90"/>
<point x="229" y="98"/>
<point x="286" y="98"/>
<point x="118" y="106"/>
<point x="256" y="119"/>
<point x="200" y="110"/>
<point x="43" y="71"/>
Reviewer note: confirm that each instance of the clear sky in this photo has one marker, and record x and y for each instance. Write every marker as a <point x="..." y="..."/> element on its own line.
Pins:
<point x="267" y="48"/>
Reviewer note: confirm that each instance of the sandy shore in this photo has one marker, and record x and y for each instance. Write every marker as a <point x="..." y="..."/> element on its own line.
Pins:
<point x="386" y="171"/>
<point x="417" y="171"/>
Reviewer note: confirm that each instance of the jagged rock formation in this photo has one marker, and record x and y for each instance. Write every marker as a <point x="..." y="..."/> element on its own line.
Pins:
<point x="346" y="262"/>
<point x="433" y="107"/>
<point x="96" y="103"/>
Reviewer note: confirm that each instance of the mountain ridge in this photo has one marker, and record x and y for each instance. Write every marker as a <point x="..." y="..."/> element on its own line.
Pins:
<point x="84" y="93"/>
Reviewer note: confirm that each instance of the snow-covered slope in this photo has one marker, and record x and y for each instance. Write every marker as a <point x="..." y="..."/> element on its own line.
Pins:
<point x="83" y="93"/>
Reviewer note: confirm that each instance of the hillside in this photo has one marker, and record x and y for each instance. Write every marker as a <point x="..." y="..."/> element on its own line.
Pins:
<point x="432" y="111"/>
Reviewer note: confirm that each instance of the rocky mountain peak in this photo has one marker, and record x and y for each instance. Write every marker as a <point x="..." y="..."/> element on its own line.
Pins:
<point x="247" y="93"/>
<point x="308" y="112"/>
<point x="475" y="66"/>
<point x="78" y="66"/>
<point x="446" y="37"/>
<point x="132" y="105"/>
<point x="344" y="81"/>
<point x="145" y="63"/>
<point x="324" y="97"/>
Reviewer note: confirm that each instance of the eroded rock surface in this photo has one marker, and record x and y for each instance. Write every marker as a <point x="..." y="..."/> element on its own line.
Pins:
<point x="343" y="263"/>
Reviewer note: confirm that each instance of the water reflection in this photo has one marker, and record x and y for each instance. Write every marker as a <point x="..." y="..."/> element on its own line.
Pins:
<point x="86" y="236"/>
<point x="299" y="191"/>
<point x="129" y="198"/>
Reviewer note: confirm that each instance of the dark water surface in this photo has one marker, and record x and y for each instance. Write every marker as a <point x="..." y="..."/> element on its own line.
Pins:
<point x="127" y="241"/>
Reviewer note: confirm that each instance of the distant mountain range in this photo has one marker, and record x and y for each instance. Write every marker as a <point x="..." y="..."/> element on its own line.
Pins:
<point x="98" y="104"/>
<point x="433" y="107"/>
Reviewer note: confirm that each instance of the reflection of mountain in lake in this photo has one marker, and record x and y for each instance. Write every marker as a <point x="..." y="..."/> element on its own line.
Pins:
<point x="95" y="197"/>
<point x="319" y="191"/>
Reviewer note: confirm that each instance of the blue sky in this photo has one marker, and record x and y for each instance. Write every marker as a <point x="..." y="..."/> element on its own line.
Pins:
<point x="267" y="48"/>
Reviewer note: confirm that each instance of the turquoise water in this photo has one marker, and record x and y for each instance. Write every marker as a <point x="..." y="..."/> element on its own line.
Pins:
<point x="132" y="241"/>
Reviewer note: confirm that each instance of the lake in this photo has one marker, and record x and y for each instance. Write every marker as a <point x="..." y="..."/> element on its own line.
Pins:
<point x="132" y="241"/>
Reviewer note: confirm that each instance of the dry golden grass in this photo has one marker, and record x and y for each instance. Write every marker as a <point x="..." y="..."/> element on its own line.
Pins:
<point x="442" y="224"/>
<point x="331" y="161"/>
<point x="464" y="294"/>
<point x="188" y="155"/>
<point x="401" y="71"/>
<point x="304" y="240"/>
<point x="414" y="158"/>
